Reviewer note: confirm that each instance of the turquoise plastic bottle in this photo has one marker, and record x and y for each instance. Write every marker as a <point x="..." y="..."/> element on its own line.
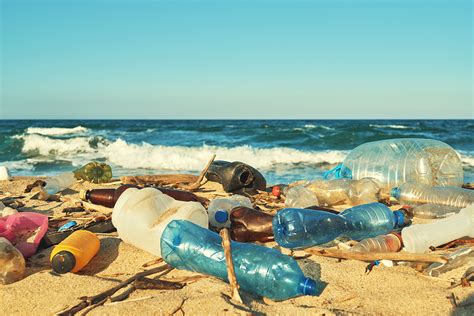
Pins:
<point x="259" y="270"/>
<point x="301" y="228"/>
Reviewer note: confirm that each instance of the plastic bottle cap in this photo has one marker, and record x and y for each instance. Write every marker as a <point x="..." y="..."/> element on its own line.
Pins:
<point x="399" y="218"/>
<point x="308" y="286"/>
<point x="221" y="216"/>
<point x="395" y="193"/>
<point x="63" y="262"/>
<point x="83" y="194"/>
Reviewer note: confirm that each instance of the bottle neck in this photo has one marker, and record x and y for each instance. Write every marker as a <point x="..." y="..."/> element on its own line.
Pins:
<point x="307" y="286"/>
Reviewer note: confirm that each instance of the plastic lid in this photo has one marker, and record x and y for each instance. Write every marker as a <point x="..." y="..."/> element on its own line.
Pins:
<point x="307" y="286"/>
<point x="63" y="262"/>
<point x="395" y="193"/>
<point x="83" y="195"/>
<point x="399" y="218"/>
<point x="221" y="216"/>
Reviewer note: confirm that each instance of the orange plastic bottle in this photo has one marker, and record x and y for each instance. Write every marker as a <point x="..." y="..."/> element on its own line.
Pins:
<point x="74" y="252"/>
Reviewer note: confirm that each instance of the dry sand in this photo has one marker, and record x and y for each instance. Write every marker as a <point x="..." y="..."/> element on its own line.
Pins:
<point x="345" y="288"/>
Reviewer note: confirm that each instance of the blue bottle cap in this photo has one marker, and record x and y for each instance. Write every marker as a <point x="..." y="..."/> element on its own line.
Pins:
<point x="67" y="226"/>
<point x="307" y="286"/>
<point x="395" y="193"/>
<point x="399" y="219"/>
<point x="221" y="216"/>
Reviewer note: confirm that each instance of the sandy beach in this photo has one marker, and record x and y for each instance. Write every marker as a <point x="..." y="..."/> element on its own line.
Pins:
<point x="344" y="286"/>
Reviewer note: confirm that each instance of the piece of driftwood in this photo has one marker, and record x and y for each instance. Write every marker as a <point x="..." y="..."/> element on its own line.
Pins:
<point x="102" y="297"/>
<point x="152" y="284"/>
<point x="373" y="256"/>
<point x="163" y="179"/>
<point x="197" y="184"/>
<point x="234" y="286"/>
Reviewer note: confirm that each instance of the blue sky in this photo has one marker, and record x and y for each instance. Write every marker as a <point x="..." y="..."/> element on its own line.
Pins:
<point x="236" y="59"/>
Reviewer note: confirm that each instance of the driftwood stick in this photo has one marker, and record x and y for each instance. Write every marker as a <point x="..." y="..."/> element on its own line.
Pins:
<point x="372" y="256"/>
<point x="197" y="184"/>
<point x="234" y="286"/>
<point x="103" y="296"/>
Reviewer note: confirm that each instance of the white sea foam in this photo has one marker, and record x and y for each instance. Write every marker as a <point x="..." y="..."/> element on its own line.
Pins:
<point x="49" y="146"/>
<point x="56" y="131"/>
<point x="391" y="126"/>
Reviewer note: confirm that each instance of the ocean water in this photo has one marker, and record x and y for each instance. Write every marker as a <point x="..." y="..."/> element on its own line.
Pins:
<point x="283" y="150"/>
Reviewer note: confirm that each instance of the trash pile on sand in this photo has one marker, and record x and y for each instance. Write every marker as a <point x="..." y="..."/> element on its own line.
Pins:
<point x="399" y="202"/>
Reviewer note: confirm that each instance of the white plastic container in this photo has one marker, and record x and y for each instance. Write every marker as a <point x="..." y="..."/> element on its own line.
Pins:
<point x="12" y="263"/>
<point x="219" y="209"/>
<point x="419" y="238"/>
<point x="140" y="216"/>
<point x="59" y="182"/>
<point x="300" y="197"/>
<point x="4" y="173"/>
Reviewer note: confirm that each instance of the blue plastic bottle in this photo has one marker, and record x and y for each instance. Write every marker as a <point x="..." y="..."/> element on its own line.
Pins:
<point x="300" y="228"/>
<point x="259" y="270"/>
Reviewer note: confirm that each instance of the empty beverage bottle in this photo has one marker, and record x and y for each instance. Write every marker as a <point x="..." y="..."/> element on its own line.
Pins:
<point x="74" y="252"/>
<point x="434" y="210"/>
<point x="95" y="172"/>
<point x="393" y="162"/>
<point x="140" y="216"/>
<point x="419" y="238"/>
<point x="300" y="228"/>
<point x="60" y="182"/>
<point x="108" y="197"/>
<point x="456" y="259"/>
<point x="300" y="197"/>
<point x="12" y="263"/>
<point x="383" y="243"/>
<point x="259" y="270"/>
<point x="249" y="225"/>
<point x="219" y="209"/>
<point x="415" y="193"/>
<point x="345" y="191"/>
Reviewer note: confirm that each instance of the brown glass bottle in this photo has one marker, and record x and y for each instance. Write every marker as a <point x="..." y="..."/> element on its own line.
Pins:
<point x="249" y="225"/>
<point x="108" y="197"/>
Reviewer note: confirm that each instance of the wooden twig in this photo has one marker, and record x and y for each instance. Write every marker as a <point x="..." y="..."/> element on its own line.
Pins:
<point x="234" y="286"/>
<point x="197" y="184"/>
<point x="372" y="256"/>
<point x="179" y="307"/>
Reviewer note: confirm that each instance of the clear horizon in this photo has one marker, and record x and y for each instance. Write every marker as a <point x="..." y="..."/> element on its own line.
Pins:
<point x="97" y="59"/>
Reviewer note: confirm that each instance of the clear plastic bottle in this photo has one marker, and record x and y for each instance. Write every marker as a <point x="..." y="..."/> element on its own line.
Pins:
<point x="434" y="210"/>
<point x="393" y="162"/>
<point x="462" y="256"/>
<point x="258" y="269"/>
<point x="382" y="243"/>
<point x="345" y="191"/>
<point x="300" y="228"/>
<point x="12" y="263"/>
<point x="140" y="216"/>
<point x="300" y="197"/>
<point x="59" y="182"/>
<point x="419" y="238"/>
<point x="219" y="209"/>
<point x="415" y="193"/>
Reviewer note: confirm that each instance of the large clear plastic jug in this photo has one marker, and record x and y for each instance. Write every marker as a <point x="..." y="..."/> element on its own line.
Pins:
<point x="393" y="162"/>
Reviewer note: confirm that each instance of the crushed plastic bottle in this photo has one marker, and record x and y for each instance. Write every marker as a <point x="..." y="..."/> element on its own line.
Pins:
<point x="460" y="257"/>
<point x="382" y="243"/>
<point x="259" y="270"/>
<point x="414" y="193"/>
<point x="300" y="228"/>
<point x="12" y="263"/>
<point x="219" y="209"/>
<point x="434" y="210"/>
<point x="140" y="216"/>
<point x="393" y="162"/>
<point x="419" y="238"/>
<point x="345" y="191"/>
<point x="60" y="182"/>
<point x="300" y="197"/>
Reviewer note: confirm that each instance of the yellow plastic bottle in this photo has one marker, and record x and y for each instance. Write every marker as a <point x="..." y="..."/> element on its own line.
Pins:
<point x="74" y="252"/>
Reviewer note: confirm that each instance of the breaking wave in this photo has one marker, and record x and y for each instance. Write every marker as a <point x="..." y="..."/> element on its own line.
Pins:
<point x="56" y="131"/>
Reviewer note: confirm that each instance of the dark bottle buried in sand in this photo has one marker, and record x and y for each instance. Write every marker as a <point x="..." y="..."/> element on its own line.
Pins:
<point x="249" y="225"/>
<point x="108" y="197"/>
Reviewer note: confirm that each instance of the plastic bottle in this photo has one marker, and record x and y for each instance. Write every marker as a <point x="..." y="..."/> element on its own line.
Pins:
<point x="413" y="193"/>
<point x="259" y="270"/>
<point x="419" y="238"/>
<point x="393" y="162"/>
<point x="4" y="173"/>
<point x="219" y="209"/>
<point x="382" y="243"/>
<point x="456" y="259"/>
<point x="300" y="228"/>
<point x="300" y="197"/>
<point x="108" y="197"/>
<point x="249" y="225"/>
<point x="74" y="252"/>
<point x="59" y="182"/>
<point x="140" y="216"/>
<point x="12" y="263"/>
<point x="345" y="191"/>
<point x="95" y="172"/>
<point x="434" y="210"/>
